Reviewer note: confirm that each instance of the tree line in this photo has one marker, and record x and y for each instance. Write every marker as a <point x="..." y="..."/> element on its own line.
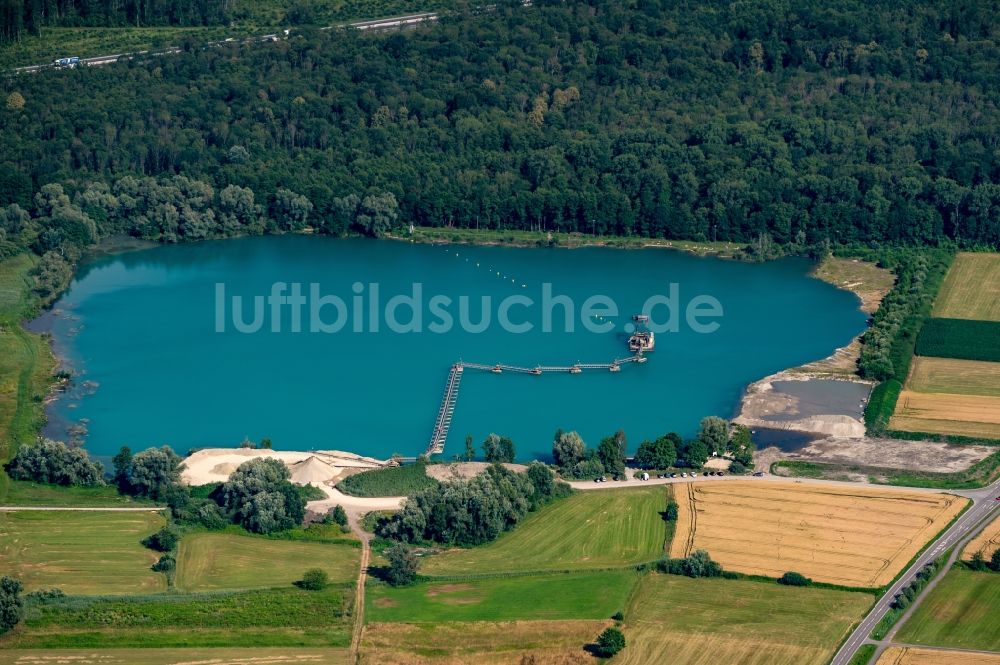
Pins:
<point x="758" y="122"/>
<point x="716" y="437"/>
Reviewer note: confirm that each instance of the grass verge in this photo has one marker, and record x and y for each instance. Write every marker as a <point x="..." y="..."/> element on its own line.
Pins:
<point x="584" y="595"/>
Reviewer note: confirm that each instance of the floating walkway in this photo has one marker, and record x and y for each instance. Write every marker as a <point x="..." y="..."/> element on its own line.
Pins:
<point x="447" y="409"/>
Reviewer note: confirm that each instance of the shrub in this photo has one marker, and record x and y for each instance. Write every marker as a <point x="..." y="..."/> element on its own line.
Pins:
<point x="403" y="565"/>
<point x="11" y="603"/>
<point x="698" y="564"/>
<point x="54" y="462"/>
<point x="210" y="517"/>
<point x="163" y="540"/>
<point x="791" y="578"/>
<point x="260" y="497"/>
<point x="45" y="595"/>
<point x="670" y="514"/>
<point x="610" y="642"/>
<point x="338" y="516"/>
<point x="165" y="564"/>
<point x="314" y="579"/>
<point x="618" y="616"/>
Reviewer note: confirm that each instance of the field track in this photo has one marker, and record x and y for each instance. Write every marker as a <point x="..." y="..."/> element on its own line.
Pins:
<point x="971" y="289"/>
<point x="918" y="656"/>
<point x="857" y="537"/>
<point x="188" y="656"/>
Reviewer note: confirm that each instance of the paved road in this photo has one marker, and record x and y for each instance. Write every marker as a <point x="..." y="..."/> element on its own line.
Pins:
<point x="984" y="507"/>
<point x="391" y="23"/>
<point x="587" y="485"/>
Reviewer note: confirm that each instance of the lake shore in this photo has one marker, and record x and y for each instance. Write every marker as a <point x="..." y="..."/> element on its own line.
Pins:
<point x="775" y="402"/>
<point x="528" y="239"/>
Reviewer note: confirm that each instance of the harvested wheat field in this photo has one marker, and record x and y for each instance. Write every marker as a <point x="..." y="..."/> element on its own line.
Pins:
<point x="481" y="642"/>
<point x="956" y="377"/>
<point x="841" y="535"/>
<point x="972" y="289"/>
<point x="918" y="656"/>
<point x="986" y="542"/>
<point x="965" y="415"/>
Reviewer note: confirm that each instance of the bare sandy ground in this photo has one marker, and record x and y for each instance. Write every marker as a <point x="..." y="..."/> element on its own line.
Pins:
<point x="464" y="470"/>
<point x="215" y="465"/>
<point x="320" y="468"/>
<point x="885" y="453"/>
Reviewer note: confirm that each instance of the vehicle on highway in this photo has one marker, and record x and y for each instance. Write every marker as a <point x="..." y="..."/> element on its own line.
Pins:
<point x="71" y="61"/>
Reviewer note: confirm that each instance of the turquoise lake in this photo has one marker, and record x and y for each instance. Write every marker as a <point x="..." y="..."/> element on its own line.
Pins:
<point x="158" y="364"/>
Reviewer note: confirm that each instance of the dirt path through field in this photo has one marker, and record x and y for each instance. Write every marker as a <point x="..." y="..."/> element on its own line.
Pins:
<point x="354" y="520"/>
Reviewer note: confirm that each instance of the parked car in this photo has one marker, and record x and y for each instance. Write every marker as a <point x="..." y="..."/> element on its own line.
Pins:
<point x="761" y="473"/>
<point x="684" y="475"/>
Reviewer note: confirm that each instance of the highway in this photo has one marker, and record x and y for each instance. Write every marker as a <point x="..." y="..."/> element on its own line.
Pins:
<point x="390" y="23"/>
<point x="984" y="507"/>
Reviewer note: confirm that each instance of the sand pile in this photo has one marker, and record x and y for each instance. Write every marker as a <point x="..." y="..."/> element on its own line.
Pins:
<point x="312" y="471"/>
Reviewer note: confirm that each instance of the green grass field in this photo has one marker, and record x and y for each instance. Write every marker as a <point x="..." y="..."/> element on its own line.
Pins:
<point x="26" y="363"/>
<point x="28" y="493"/>
<point x="708" y="621"/>
<point x="594" y="529"/>
<point x="263" y="656"/>
<point x="263" y="618"/>
<point x="961" y="612"/>
<point x="80" y="552"/>
<point x="972" y="289"/>
<point x="209" y="561"/>
<point x="588" y="595"/>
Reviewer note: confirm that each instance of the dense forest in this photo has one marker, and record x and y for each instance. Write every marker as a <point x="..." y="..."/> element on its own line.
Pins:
<point x="18" y="17"/>
<point x="806" y="122"/>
